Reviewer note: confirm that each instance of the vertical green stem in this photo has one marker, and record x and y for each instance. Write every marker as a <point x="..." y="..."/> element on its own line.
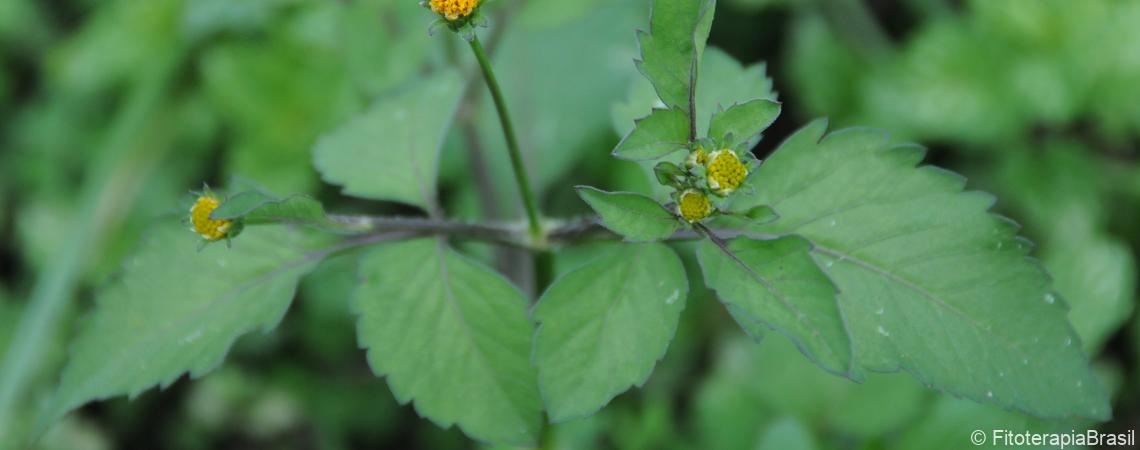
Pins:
<point x="521" y="179"/>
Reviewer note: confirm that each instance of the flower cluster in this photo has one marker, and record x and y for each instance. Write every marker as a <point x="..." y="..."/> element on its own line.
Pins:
<point x="459" y="16"/>
<point x="725" y="172"/>
<point x="705" y="175"/>
<point x="453" y="10"/>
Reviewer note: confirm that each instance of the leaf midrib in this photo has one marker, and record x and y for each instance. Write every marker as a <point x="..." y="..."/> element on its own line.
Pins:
<point x="934" y="299"/>
<point x="452" y="302"/>
<point x="800" y="315"/>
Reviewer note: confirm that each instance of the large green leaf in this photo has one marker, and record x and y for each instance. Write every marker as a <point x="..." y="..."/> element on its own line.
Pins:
<point x="634" y="216"/>
<point x="604" y="326"/>
<point x="391" y="151"/>
<point x="776" y="283"/>
<point x="929" y="281"/>
<point x="671" y="51"/>
<point x="451" y="335"/>
<point x="179" y="310"/>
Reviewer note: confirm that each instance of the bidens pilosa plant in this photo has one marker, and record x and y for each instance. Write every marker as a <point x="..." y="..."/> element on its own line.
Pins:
<point x="839" y="242"/>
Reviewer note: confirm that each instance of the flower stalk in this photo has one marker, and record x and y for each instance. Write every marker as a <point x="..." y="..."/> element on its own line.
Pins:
<point x="534" y="226"/>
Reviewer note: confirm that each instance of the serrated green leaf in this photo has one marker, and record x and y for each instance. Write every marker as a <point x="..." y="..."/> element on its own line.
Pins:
<point x="256" y="208"/>
<point x="930" y="281"/>
<point x="671" y="51"/>
<point x="178" y="310"/>
<point x="743" y="122"/>
<point x="451" y="335"/>
<point x="662" y="132"/>
<point x="604" y="326"/>
<point x="391" y="151"/>
<point x="776" y="282"/>
<point x="634" y="216"/>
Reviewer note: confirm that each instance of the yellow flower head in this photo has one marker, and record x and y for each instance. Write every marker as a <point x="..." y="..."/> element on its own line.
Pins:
<point x="454" y="9"/>
<point x="209" y="229"/>
<point x="697" y="157"/>
<point x="693" y="205"/>
<point x="725" y="172"/>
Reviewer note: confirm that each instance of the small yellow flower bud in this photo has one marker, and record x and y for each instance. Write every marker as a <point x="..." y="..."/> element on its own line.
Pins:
<point x="725" y="172"/>
<point x="209" y="229"/>
<point x="693" y="205"/>
<point x="454" y="9"/>
<point x="697" y="158"/>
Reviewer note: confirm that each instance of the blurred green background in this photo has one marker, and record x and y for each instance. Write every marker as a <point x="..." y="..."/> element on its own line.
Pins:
<point x="110" y="111"/>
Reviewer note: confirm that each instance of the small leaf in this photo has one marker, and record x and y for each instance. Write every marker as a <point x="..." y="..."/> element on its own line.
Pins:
<point x="671" y="51"/>
<point x="256" y="208"/>
<point x="744" y="121"/>
<point x="451" y="335"/>
<point x="777" y="283"/>
<point x="662" y="132"/>
<point x="930" y="281"/>
<point x="669" y="174"/>
<point x="762" y="214"/>
<point x="391" y="151"/>
<point x="179" y="310"/>
<point x="634" y="216"/>
<point x="605" y="325"/>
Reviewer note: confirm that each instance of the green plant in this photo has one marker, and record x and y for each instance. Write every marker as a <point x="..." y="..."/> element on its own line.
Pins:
<point x="837" y="241"/>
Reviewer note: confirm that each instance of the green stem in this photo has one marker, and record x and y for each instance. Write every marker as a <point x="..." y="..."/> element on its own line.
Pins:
<point x="534" y="226"/>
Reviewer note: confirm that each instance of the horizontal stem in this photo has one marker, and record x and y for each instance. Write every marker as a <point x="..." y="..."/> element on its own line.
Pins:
<point x="512" y="234"/>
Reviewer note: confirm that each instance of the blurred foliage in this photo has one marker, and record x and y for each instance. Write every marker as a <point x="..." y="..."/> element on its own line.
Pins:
<point x="1036" y="101"/>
